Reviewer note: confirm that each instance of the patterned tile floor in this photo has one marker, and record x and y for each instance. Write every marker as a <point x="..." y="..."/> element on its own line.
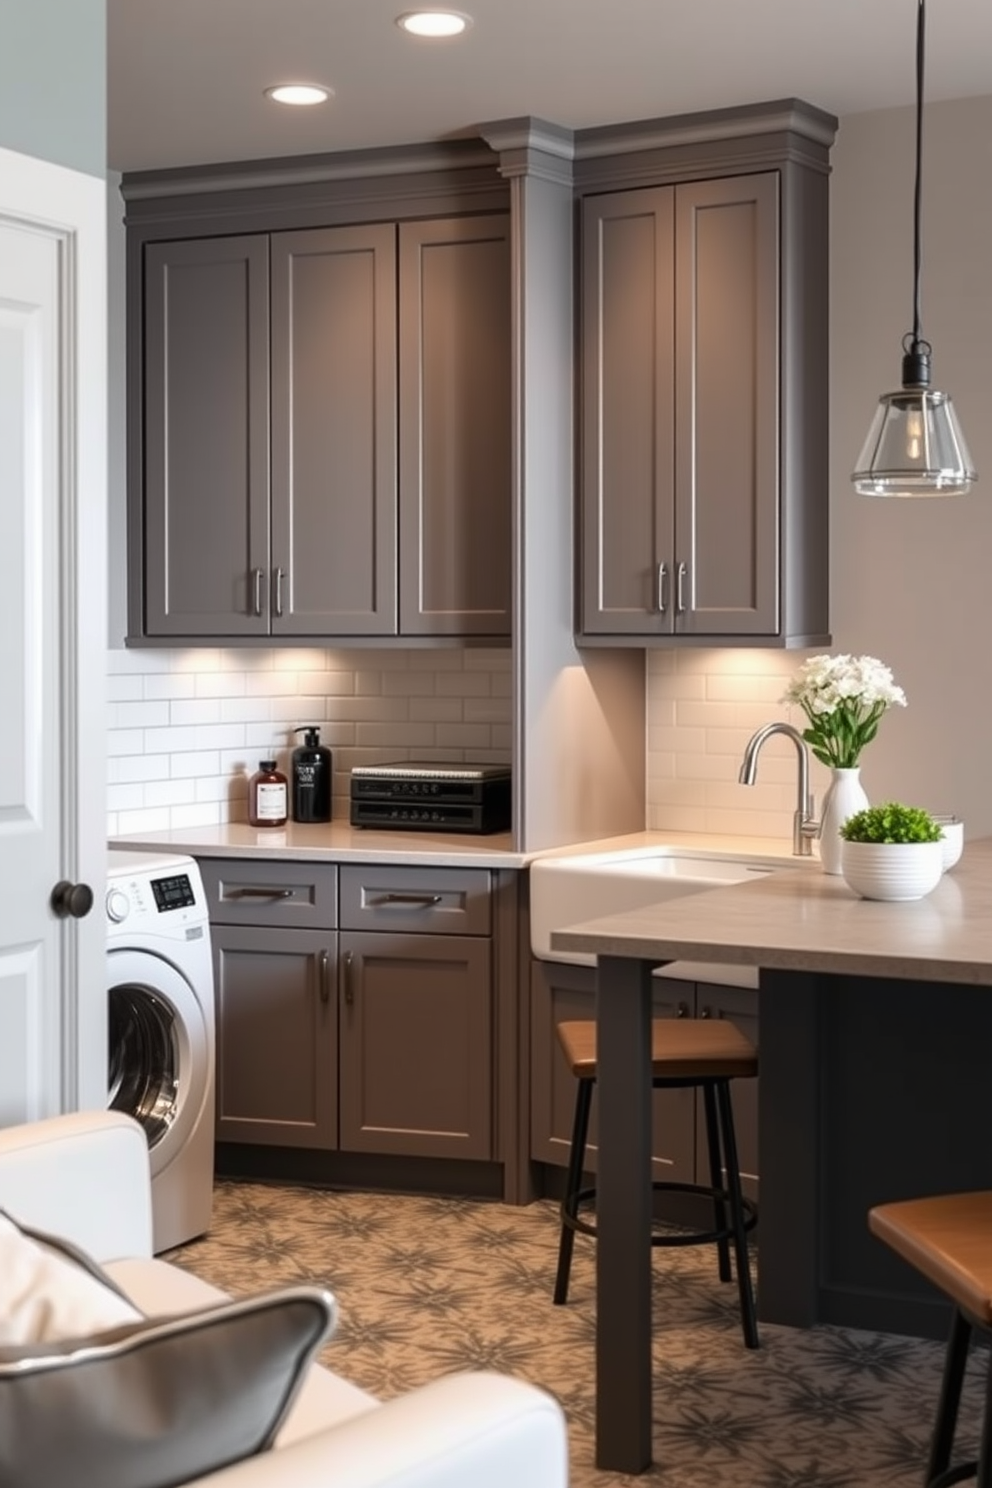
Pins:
<point x="426" y="1286"/>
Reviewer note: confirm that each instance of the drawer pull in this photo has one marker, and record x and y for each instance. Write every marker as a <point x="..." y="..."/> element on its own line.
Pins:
<point x="422" y="901"/>
<point x="349" y="985"/>
<point x="249" y="891"/>
<point x="325" y="988"/>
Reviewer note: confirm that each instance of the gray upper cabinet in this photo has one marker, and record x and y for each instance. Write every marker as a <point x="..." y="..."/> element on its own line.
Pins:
<point x="455" y="450"/>
<point x="701" y="306"/>
<point x="325" y="424"/>
<point x="334" y="432"/>
<point x="206" y="423"/>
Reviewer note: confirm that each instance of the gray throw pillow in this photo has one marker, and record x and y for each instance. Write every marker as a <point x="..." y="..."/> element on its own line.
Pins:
<point x="158" y="1402"/>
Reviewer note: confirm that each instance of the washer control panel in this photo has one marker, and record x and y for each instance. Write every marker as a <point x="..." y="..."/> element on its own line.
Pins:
<point x="163" y="898"/>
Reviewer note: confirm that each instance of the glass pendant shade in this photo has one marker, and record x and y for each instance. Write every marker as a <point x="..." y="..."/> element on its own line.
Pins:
<point x="914" y="448"/>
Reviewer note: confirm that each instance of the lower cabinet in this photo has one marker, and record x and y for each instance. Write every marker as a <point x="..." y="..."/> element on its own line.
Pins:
<point x="560" y="991"/>
<point x="415" y="1045"/>
<point x="355" y="1007"/>
<point x="277" y="1036"/>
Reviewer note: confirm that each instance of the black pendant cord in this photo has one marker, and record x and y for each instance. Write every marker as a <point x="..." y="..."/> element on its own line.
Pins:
<point x="916" y="361"/>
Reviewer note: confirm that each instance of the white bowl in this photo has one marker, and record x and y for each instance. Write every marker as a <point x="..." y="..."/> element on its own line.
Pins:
<point x="892" y="870"/>
<point x="953" y="839"/>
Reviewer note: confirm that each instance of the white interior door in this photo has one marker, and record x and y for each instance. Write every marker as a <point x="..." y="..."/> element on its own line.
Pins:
<point x="53" y="1047"/>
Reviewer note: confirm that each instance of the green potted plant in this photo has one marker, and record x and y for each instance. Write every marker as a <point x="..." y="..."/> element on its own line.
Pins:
<point x="892" y="851"/>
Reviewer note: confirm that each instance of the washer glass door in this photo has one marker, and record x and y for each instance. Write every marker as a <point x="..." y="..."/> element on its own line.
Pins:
<point x="143" y="1058"/>
<point x="160" y="1059"/>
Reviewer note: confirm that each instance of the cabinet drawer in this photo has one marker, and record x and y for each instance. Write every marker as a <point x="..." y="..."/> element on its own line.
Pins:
<point x="435" y="901"/>
<point x="244" y="891"/>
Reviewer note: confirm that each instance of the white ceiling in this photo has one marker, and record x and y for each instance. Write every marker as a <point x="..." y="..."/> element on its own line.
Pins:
<point x="186" y="77"/>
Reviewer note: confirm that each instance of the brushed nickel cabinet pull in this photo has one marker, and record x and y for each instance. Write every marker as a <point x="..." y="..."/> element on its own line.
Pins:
<point x="256" y="575"/>
<point x="680" y="589"/>
<point x="662" y="588"/>
<point x="325" y="990"/>
<point x="682" y="1011"/>
<point x="251" y="891"/>
<point x="421" y="901"/>
<point x="349" y="985"/>
<point x="278" y="603"/>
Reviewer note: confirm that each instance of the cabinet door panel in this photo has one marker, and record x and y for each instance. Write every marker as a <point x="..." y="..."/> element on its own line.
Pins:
<point x="560" y="992"/>
<point x="628" y="334"/>
<point x="740" y="1005"/>
<point x="206" y="443"/>
<point x="727" y="416"/>
<point x="334" y="431"/>
<point x="416" y="1045"/>
<point x="277" y="1058"/>
<point x="455" y="433"/>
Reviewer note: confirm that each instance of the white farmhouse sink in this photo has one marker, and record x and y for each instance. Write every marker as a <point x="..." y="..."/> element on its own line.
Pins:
<point x="565" y="891"/>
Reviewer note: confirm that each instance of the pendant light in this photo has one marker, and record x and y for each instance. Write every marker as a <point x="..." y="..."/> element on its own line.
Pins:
<point x="915" y="446"/>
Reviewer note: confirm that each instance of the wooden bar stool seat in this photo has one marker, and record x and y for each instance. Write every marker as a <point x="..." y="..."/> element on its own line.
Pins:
<point x="706" y="1053"/>
<point x="948" y="1239"/>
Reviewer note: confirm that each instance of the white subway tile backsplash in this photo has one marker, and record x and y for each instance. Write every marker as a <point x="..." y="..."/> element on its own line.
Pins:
<point x="138" y="715"/>
<point x="170" y="792"/>
<point x="702" y="707"/>
<point x="197" y="722"/>
<point x="170" y="685"/>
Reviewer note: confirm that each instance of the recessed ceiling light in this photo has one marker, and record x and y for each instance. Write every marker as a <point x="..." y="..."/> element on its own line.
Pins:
<point x="434" y="22"/>
<point x="300" y="94"/>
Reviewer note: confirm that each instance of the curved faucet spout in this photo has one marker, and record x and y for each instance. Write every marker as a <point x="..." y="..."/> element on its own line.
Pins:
<point x="804" y="828"/>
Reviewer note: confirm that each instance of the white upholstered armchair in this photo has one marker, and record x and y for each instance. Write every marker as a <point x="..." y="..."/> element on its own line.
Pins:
<point x="85" y="1178"/>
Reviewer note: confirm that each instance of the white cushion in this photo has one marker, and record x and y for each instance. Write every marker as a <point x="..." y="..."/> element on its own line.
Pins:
<point x="159" y="1288"/>
<point x="45" y="1295"/>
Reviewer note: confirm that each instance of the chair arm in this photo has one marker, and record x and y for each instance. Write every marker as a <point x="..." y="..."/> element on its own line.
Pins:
<point x="83" y="1176"/>
<point x="483" y="1430"/>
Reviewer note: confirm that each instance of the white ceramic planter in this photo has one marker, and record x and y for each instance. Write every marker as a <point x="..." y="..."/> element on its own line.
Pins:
<point x="892" y="870"/>
<point x="952" y="840"/>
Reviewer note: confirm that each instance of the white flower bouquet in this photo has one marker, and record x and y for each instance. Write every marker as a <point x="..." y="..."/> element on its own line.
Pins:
<point x="843" y="698"/>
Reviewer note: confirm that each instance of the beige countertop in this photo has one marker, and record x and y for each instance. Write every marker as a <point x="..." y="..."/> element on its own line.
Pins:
<point x="802" y="920"/>
<point x="339" y="842"/>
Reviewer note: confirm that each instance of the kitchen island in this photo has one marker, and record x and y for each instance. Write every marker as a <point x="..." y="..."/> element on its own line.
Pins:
<point x="876" y="1043"/>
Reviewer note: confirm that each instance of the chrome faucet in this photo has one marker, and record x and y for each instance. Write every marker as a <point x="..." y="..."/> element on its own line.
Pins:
<point x="804" y="828"/>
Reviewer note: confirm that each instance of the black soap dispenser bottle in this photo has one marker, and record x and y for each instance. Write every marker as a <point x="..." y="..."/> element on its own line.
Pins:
<point x="311" y="778"/>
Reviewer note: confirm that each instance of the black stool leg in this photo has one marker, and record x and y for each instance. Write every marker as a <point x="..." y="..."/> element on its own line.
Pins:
<point x="984" y="1479"/>
<point x="716" y="1178"/>
<point x="748" y="1319"/>
<point x="955" y="1361"/>
<point x="573" y="1182"/>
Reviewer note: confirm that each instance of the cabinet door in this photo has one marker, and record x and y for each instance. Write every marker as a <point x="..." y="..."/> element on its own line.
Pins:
<point x="559" y="992"/>
<point x="277" y="1056"/>
<point x="416" y="1045"/>
<point x="334" y="431"/>
<point x="740" y="1005"/>
<point x="206" y="443"/>
<point x="628" y="407"/>
<point x="455" y="433"/>
<point x="727" y="406"/>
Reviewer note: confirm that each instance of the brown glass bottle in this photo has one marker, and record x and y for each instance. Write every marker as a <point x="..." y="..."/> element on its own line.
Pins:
<point x="268" y="796"/>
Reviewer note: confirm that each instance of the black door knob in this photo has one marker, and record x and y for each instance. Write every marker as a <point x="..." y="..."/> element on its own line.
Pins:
<point x="71" y="899"/>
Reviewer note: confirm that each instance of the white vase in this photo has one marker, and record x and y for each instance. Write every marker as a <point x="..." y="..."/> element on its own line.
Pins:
<point x="893" y="870"/>
<point x="845" y="795"/>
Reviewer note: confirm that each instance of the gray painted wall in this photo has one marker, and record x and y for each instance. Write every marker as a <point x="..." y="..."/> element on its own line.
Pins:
<point x="53" y="81"/>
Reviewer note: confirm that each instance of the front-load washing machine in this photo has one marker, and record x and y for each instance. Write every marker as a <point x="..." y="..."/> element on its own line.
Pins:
<point x="162" y="1042"/>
